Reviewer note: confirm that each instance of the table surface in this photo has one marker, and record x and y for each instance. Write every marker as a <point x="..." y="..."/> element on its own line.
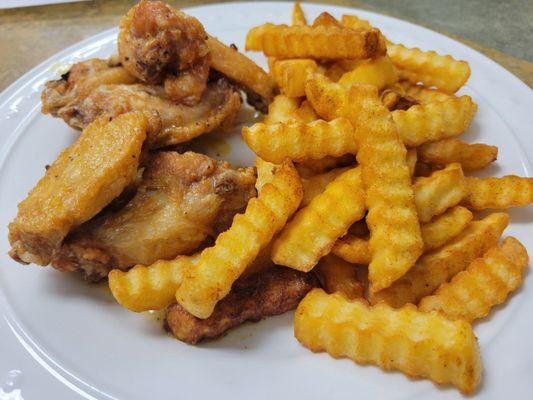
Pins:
<point x="500" y="30"/>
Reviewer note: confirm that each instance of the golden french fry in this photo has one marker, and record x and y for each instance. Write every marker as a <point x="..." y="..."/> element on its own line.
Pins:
<point x="439" y="191"/>
<point x="298" y="16"/>
<point x="439" y="266"/>
<point x="291" y="75"/>
<point x="310" y="168"/>
<point x="411" y="158"/>
<point x="395" y="239"/>
<point x="83" y="179"/>
<point x="418" y="344"/>
<point x="498" y="193"/>
<point x="339" y="276"/>
<point x="417" y="125"/>
<point x="435" y="234"/>
<point x="472" y="157"/>
<point x="434" y="121"/>
<point x="379" y="72"/>
<point x="282" y="109"/>
<point x="354" y="22"/>
<point x="149" y="288"/>
<point x="428" y="67"/>
<point x="322" y="42"/>
<point x="300" y="142"/>
<point x="445" y="227"/>
<point x="326" y="19"/>
<point x="328" y="99"/>
<point x="353" y="249"/>
<point x="425" y="95"/>
<point x="265" y="172"/>
<point x="219" y="266"/>
<point x="316" y="184"/>
<point x="485" y="283"/>
<point x="312" y="232"/>
<point x="305" y="113"/>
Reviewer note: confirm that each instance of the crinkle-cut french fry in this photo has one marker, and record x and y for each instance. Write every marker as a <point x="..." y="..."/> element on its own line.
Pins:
<point x="354" y="22"/>
<point x="311" y="168"/>
<point x="265" y="172"/>
<point x="485" y="283"/>
<point x="445" y="227"/>
<point x="316" y="184"/>
<point x="425" y="95"/>
<point x="395" y="239"/>
<point x="219" y="266"/>
<point x="498" y="193"/>
<point x="353" y="249"/>
<point x="428" y="67"/>
<point x="435" y="234"/>
<point x="439" y="266"/>
<point x="472" y="157"/>
<point x="417" y="125"/>
<point x="290" y="75"/>
<point x="312" y="232"/>
<point x="339" y="276"/>
<point x="439" y="191"/>
<point x="329" y="99"/>
<point x="300" y="142"/>
<point x="298" y="16"/>
<point x="152" y="287"/>
<point x="425" y="345"/>
<point x="281" y="109"/>
<point x="379" y="72"/>
<point x="305" y="113"/>
<point x="434" y="121"/>
<point x="411" y="158"/>
<point x="326" y="19"/>
<point x="322" y="42"/>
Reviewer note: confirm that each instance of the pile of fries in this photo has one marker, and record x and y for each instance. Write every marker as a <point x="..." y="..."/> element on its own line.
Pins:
<point x="359" y="165"/>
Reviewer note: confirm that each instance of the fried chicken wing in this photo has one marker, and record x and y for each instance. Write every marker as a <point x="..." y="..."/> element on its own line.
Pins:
<point x="82" y="181"/>
<point x="271" y="292"/>
<point x="80" y="81"/>
<point x="158" y="43"/>
<point x="182" y="202"/>
<point x="177" y="123"/>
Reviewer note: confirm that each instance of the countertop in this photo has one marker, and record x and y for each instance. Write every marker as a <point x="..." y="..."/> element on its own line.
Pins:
<point x="500" y="30"/>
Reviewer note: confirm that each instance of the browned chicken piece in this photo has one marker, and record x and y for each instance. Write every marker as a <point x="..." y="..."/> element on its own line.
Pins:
<point x="239" y="69"/>
<point x="271" y="292"/>
<point x="158" y="43"/>
<point x="178" y="123"/>
<point x="82" y="181"/>
<point x="80" y="81"/>
<point x="184" y="201"/>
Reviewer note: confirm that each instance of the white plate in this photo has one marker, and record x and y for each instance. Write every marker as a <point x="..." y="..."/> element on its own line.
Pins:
<point x="66" y="336"/>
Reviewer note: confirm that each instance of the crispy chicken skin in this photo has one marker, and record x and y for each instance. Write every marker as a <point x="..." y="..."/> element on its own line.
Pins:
<point x="78" y="99"/>
<point x="183" y="201"/>
<point x="271" y="292"/>
<point x="82" y="181"/>
<point x="158" y="43"/>
<point x="80" y="81"/>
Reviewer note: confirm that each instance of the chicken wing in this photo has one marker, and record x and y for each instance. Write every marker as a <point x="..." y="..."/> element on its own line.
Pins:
<point x="83" y="95"/>
<point x="271" y="292"/>
<point x="82" y="181"/>
<point x="158" y="43"/>
<point x="182" y="202"/>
